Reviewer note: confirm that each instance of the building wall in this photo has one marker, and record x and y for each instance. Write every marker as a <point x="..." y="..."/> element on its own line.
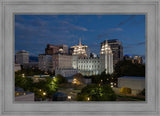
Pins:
<point x="54" y="49"/>
<point x="17" y="67"/>
<point x="137" y="84"/>
<point x="22" y="57"/>
<point x="89" y="66"/>
<point x="106" y="57"/>
<point x="64" y="47"/>
<point x="56" y="61"/>
<point x="75" y="61"/>
<point x="64" y="61"/>
<point x="45" y="62"/>
<point x="51" y="49"/>
<point x="66" y="72"/>
<point x="117" y="50"/>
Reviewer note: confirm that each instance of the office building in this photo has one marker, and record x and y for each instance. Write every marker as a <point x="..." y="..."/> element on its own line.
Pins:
<point x="55" y="49"/>
<point x="117" y="50"/>
<point x="55" y="61"/>
<point x="22" y="57"/>
<point x="17" y="67"/>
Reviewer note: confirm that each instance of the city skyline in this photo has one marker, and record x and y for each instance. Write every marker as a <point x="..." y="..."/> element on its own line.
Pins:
<point x="34" y="32"/>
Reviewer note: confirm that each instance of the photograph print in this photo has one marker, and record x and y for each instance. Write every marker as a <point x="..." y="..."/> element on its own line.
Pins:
<point x="79" y="57"/>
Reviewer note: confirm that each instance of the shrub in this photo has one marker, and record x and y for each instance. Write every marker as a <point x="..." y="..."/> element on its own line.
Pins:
<point x="125" y="90"/>
<point x="94" y="92"/>
<point x="61" y="79"/>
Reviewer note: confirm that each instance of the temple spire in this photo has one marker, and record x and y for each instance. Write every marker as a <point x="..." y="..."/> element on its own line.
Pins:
<point x="80" y="41"/>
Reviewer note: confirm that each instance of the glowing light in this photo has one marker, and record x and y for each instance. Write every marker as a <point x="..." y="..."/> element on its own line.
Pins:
<point x="44" y="93"/>
<point x="88" y="98"/>
<point x="55" y="79"/>
<point x="69" y="97"/>
<point x="74" y="81"/>
<point x="40" y="90"/>
<point x="23" y="75"/>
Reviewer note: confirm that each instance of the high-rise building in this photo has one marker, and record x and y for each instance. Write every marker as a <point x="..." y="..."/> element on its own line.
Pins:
<point x="55" y="61"/>
<point x="55" y="49"/>
<point x="45" y="62"/>
<point x="55" y="57"/>
<point x="22" y="57"/>
<point x="117" y="50"/>
<point x="71" y="51"/>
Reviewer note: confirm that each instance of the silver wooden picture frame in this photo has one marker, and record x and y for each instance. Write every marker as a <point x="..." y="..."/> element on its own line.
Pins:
<point x="8" y="9"/>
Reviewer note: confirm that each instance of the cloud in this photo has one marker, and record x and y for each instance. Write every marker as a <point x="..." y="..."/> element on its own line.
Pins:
<point x="133" y="45"/>
<point x="78" y="28"/>
<point x="115" y="29"/>
<point x="141" y="43"/>
<point x="69" y="26"/>
<point x="127" y="20"/>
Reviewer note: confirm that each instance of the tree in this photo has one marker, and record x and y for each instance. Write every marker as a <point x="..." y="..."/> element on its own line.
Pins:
<point x="95" y="92"/>
<point x="24" y="82"/>
<point x="103" y="78"/>
<point x="61" y="79"/>
<point x="127" y="68"/>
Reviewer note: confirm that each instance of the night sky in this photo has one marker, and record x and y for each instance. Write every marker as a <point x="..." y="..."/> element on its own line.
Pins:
<point x="34" y="32"/>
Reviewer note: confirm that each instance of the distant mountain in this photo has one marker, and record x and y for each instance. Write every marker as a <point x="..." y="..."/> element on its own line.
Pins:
<point x="33" y="59"/>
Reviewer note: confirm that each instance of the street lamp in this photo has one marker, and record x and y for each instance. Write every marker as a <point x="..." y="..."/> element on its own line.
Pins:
<point x="74" y="81"/>
<point x="69" y="97"/>
<point x="44" y="93"/>
<point x="23" y="75"/>
<point x="88" y="98"/>
<point x="111" y="84"/>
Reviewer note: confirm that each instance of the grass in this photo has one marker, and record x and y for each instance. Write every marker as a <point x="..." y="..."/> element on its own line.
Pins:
<point x="130" y="98"/>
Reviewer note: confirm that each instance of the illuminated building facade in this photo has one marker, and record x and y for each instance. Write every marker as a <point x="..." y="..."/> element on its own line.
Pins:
<point x="80" y="50"/>
<point x="93" y="65"/>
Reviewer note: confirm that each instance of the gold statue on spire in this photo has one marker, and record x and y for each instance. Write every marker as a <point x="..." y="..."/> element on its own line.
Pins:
<point x="80" y="41"/>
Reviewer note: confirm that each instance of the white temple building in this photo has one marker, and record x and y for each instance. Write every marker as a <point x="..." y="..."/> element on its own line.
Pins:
<point x="92" y="65"/>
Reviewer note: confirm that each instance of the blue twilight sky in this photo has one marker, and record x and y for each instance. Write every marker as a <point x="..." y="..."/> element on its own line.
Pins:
<point x="34" y="32"/>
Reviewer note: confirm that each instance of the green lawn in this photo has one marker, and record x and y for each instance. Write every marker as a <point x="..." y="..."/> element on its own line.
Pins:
<point x="130" y="98"/>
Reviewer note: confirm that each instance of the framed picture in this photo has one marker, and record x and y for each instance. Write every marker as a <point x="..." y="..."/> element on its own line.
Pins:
<point x="90" y="24"/>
